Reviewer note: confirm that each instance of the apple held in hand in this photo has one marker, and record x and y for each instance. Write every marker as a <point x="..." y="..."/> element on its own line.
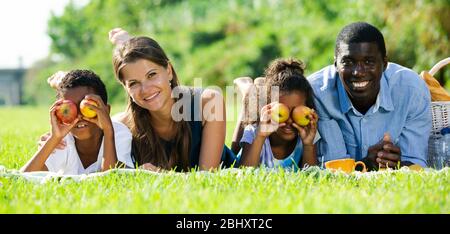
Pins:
<point x="300" y="115"/>
<point x="66" y="111"/>
<point x="86" y="111"/>
<point x="280" y="113"/>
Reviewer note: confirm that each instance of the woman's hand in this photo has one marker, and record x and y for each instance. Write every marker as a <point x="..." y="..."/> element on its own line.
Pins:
<point x="44" y="138"/>
<point x="308" y="132"/>
<point x="118" y="36"/>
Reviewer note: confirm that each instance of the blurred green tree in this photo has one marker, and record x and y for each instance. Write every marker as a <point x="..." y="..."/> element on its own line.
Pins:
<point x="220" y="40"/>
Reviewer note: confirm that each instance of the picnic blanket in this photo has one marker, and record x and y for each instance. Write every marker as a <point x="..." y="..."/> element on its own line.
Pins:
<point x="45" y="176"/>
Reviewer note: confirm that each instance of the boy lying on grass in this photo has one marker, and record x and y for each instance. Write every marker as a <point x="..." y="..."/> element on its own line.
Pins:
<point x="92" y="144"/>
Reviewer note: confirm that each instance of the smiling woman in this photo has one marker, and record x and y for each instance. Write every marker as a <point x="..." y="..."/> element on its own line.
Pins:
<point x="159" y="141"/>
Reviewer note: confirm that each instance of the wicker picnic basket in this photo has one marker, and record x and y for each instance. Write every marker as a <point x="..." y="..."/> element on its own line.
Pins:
<point x="440" y="114"/>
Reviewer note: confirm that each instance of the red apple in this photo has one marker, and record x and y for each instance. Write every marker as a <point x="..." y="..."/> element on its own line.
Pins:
<point x="280" y="112"/>
<point x="300" y="115"/>
<point x="86" y="111"/>
<point x="66" y="112"/>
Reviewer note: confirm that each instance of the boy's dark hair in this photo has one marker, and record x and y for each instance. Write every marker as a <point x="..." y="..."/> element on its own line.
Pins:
<point x="83" y="78"/>
<point x="360" y="32"/>
<point x="287" y="75"/>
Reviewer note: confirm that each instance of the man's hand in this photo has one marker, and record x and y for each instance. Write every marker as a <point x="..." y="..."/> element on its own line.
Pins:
<point x="383" y="154"/>
<point x="389" y="157"/>
<point x="371" y="159"/>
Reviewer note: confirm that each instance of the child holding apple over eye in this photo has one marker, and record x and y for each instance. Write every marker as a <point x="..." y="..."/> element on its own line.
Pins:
<point x="286" y="132"/>
<point x="80" y="118"/>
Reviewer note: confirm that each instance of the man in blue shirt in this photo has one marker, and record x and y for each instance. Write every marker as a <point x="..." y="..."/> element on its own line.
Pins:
<point x="369" y="109"/>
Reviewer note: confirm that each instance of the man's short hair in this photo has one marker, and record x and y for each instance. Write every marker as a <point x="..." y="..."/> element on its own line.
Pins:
<point x="83" y="78"/>
<point x="360" y="32"/>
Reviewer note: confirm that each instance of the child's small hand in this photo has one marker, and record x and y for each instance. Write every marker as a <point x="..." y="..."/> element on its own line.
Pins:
<point x="308" y="132"/>
<point x="102" y="120"/>
<point x="267" y="125"/>
<point x="60" y="130"/>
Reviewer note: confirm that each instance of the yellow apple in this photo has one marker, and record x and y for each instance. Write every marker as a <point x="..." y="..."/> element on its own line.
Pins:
<point x="280" y="113"/>
<point x="300" y="115"/>
<point x="87" y="111"/>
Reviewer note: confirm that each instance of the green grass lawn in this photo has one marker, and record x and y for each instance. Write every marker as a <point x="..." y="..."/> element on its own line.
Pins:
<point x="226" y="191"/>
